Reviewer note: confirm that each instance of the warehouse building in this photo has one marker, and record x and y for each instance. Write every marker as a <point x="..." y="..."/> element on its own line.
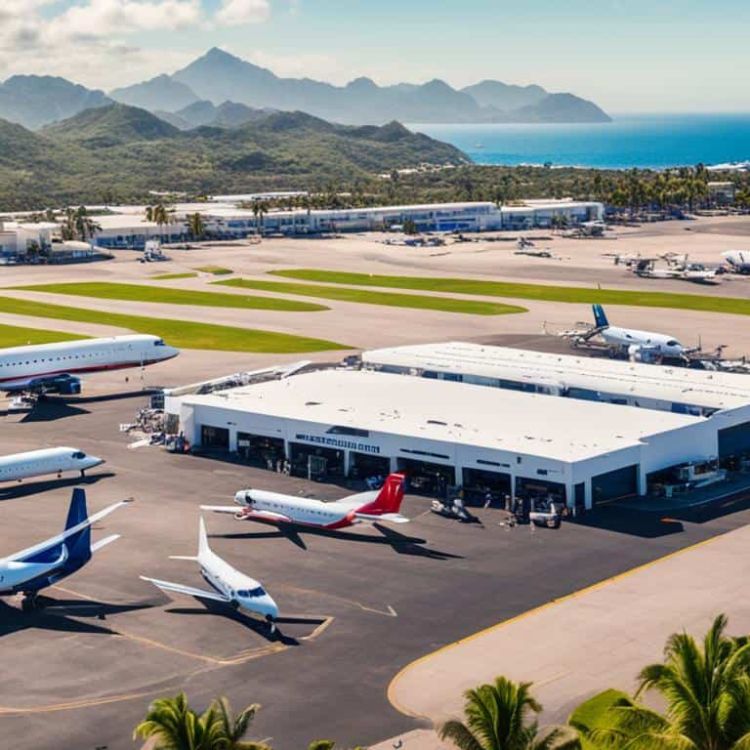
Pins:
<point x="357" y="423"/>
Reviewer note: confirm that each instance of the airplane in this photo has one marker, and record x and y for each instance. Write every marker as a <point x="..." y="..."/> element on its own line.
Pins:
<point x="739" y="260"/>
<point x="228" y="584"/>
<point x="53" y="368"/>
<point x="272" y="507"/>
<point x="638" y="345"/>
<point x="18" y="466"/>
<point x="45" y="564"/>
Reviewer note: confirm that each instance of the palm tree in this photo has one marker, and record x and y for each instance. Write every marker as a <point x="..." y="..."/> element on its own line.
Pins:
<point x="175" y="726"/>
<point x="707" y="693"/>
<point x="160" y="215"/>
<point x="233" y="728"/>
<point x="196" y="226"/>
<point x="498" y="718"/>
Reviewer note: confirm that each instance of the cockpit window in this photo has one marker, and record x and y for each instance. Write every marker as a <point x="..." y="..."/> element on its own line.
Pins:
<point x="78" y="455"/>
<point x="252" y="593"/>
<point x="160" y="342"/>
<point x="672" y="342"/>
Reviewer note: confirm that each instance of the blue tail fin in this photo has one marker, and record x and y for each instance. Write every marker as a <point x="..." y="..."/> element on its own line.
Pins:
<point x="599" y="317"/>
<point x="79" y="543"/>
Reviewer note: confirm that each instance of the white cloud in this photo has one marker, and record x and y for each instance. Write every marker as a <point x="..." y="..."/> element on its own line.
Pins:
<point x="243" y="11"/>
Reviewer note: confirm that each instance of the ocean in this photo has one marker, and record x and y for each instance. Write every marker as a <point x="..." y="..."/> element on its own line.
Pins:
<point x="644" y="141"/>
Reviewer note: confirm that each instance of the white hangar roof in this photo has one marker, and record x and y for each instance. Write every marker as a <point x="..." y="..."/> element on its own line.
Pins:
<point x="491" y="418"/>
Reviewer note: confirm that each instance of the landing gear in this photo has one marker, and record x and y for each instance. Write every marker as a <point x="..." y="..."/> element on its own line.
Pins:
<point x="30" y="602"/>
<point x="271" y="624"/>
<point x="83" y="473"/>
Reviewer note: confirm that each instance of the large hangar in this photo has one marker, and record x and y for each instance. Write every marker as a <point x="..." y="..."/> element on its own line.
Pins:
<point x="355" y="423"/>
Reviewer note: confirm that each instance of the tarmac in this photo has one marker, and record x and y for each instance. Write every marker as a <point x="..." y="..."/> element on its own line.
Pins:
<point x="360" y="605"/>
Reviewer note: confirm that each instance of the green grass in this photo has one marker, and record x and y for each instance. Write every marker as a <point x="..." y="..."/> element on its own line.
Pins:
<point x="540" y="292"/>
<point x="215" y="270"/>
<point x="173" y="276"/>
<point x="368" y="297"/>
<point x="179" y="333"/>
<point x="18" y="336"/>
<point x="164" y="295"/>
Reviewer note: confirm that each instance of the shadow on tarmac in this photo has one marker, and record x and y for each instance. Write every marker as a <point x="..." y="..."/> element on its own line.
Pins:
<point x="57" y="614"/>
<point x="25" y="489"/>
<point x="644" y="524"/>
<point x="399" y="543"/>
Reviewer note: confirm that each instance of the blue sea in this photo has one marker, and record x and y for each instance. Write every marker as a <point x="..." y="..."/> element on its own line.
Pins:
<point x="655" y="141"/>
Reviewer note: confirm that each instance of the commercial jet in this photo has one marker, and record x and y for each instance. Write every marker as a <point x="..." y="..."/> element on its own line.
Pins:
<point x="634" y="342"/>
<point x="20" y="466"/>
<point x="739" y="260"/>
<point x="45" y="564"/>
<point x="54" y="368"/>
<point x="229" y="586"/>
<point x="271" y="507"/>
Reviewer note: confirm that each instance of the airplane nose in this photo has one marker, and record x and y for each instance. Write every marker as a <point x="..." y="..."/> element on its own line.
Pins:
<point x="240" y="498"/>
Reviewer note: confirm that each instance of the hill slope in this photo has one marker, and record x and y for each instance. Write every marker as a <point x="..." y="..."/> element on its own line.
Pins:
<point x="119" y="153"/>
<point x="161" y="92"/>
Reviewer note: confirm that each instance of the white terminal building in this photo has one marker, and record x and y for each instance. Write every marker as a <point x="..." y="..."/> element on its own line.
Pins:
<point x="487" y="418"/>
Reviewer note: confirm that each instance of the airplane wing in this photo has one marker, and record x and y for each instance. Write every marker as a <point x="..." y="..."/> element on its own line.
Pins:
<point x="104" y="542"/>
<point x="178" y="588"/>
<point x="384" y="518"/>
<point x="248" y="514"/>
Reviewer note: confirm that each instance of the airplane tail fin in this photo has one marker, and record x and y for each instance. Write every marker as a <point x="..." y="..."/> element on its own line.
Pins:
<point x="78" y="542"/>
<point x="600" y="317"/>
<point x="389" y="498"/>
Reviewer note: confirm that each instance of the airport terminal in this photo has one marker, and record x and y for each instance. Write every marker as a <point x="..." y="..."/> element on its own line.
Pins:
<point x="584" y="431"/>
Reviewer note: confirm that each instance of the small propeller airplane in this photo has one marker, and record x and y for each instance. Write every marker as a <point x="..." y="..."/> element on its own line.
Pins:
<point x="271" y="507"/>
<point x="45" y="564"/>
<point x="229" y="585"/>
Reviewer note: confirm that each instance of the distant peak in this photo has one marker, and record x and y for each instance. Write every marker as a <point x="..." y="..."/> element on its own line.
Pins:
<point x="216" y="53"/>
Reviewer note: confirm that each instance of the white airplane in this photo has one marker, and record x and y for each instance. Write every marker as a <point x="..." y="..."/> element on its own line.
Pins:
<point x="47" y="563"/>
<point x="272" y="507"/>
<point x="53" y="368"/>
<point x="739" y="260"/>
<point x="228" y="584"/>
<point x="20" y="466"/>
<point x="635" y="342"/>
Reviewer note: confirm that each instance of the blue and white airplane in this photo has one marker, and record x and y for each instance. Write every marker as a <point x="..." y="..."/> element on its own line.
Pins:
<point x="45" y="564"/>
<point x="229" y="585"/>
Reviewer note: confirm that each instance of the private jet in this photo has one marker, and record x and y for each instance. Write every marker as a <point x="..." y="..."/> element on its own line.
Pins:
<point x="45" y="564"/>
<point x="271" y="507"/>
<point x="54" y="368"/>
<point x="39" y="463"/>
<point x="229" y="585"/>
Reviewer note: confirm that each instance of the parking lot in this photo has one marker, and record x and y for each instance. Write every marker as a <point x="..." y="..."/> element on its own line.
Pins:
<point x="358" y="605"/>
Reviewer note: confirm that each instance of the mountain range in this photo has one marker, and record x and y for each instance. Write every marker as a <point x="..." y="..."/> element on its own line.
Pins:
<point x="118" y="153"/>
<point x="222" y="90"/>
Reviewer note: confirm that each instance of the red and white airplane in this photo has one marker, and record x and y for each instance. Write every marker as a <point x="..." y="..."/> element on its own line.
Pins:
<point x="272" y="507"/>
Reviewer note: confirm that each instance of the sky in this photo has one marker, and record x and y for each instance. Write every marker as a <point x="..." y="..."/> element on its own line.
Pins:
<point x="626" y="55"/>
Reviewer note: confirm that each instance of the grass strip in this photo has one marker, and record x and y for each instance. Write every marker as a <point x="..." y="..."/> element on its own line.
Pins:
<point x="169" y="296"/>
<point x="179" y="333"/>
<point x="173" y="276"/>
<point x="20" y="336"/>
<point x="540" y="292"/>
<point x="368" y="297"/>
<point x="215" y="270"/>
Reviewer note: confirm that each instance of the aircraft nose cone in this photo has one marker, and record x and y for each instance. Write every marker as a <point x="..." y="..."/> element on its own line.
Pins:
<point x="239" y="498"/>
<point x="95" y="461"/>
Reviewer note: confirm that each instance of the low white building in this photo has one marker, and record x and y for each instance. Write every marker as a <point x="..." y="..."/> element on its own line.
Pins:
<point x="358" y="423"/>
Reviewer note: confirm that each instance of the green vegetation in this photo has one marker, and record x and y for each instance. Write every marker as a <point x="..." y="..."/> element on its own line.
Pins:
<point x="173" y="276"/>
<point x="168" y="296"/>
<point x="540" y="292"/>
<point x="179" y="333"/>
<point x="18" y="336"/>
<point x="367" y="297"/>
<point x="215" y="270"/>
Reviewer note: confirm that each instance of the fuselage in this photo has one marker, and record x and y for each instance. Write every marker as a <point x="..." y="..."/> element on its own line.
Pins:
<point x="20" y="366"/>
<point x="738" y="259"/>
<point x="46" y="461"/>
<point x="626" y="337"/>
<point x="261" y="505"/>
<point x="245" y="591"/>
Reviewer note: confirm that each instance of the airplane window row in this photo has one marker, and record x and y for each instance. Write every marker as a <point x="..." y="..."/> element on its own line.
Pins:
<point x="64" y="358"/>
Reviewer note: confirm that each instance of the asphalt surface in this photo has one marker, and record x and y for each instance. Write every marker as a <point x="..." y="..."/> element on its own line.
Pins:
<point x="360" y="604"/>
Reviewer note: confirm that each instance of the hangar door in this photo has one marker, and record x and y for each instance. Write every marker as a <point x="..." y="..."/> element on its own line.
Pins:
<point x="615" y="484"/>
<point x="734" y="441"/>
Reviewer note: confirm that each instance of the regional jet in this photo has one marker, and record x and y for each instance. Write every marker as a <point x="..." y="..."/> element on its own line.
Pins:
<point x="20" y="466"/>
<point x="54" y="368"/>
<point x="229" y="585"/>
<point x="739" y="260"/>
<point x="45" y="564"/>
<point x="271" y="507"/>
